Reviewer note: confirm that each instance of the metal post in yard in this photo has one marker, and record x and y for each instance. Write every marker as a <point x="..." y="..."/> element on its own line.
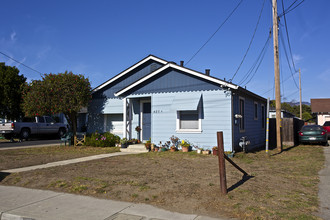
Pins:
<point x="222" y="168"/>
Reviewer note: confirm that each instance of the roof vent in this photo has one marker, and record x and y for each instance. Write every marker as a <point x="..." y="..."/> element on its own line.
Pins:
<point x="181" y="63"/>
<point x="207" y="72"/>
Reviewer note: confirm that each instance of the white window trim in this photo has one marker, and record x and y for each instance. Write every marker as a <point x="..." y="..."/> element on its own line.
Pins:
<point x="243" y="115"/>
<point x="182" y="131"/>
<point x="254" y="113"/>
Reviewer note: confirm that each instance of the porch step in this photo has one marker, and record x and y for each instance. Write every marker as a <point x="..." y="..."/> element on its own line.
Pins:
<point x="135" y="148"/>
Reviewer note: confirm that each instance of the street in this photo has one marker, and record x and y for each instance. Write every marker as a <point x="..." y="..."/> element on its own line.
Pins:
<point x="4" y="145"/>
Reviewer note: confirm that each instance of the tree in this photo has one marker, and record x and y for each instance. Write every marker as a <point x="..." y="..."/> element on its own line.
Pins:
<point x="63" y="93"/>
<point x="10" y="92"/>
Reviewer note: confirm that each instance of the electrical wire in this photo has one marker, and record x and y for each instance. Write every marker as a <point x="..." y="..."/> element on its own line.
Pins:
<point x="215" y="31"/>
<point x="255" y="30"/>
<point x="20" y="63"/>
<point x="289" y="9"/>
<point x="274" y="86"/>
<point x="258" y="61"/>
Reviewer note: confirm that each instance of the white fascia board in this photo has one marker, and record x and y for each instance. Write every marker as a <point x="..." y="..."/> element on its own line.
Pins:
<point x="130" y="69"/>
<point x="201" y="75"/>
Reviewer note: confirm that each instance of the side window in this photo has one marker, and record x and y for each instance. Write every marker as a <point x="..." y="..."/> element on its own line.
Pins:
<point x="188" y="121"/>
<point x="255" y="110"/>
<point x="41" y="120"/>
<point x="242" y="112"/>
<point x="50" y="120"/>
<point x="263" y="121"/>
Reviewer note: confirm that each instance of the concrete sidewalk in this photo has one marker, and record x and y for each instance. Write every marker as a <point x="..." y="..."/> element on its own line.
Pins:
<point x="66" y="162"/>
<point x="18" y="203"/>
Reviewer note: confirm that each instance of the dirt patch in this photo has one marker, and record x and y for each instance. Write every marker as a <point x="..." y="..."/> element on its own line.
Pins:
<point x="16" y="158"/>
<point x="283" y="186"/>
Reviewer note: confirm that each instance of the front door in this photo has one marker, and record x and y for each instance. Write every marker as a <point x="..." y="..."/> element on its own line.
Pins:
<point x="146" y="120"/>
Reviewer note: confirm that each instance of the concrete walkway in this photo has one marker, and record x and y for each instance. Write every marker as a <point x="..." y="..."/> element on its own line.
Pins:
<point x="324" y="187"/>
<point x="66" y="162"/>
<point x="18" y="203"/>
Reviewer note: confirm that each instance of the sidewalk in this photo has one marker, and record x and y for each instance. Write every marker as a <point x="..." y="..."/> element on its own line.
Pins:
<point x="18" y="203"/>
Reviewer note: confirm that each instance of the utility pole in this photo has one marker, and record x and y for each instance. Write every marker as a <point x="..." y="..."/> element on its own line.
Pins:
<point x="300" y="93"/>
<point x="277" y="78"/>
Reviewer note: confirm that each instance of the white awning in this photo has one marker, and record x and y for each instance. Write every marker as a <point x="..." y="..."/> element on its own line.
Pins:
<point x="187" y="102"/>
<point x="113" y="106"/>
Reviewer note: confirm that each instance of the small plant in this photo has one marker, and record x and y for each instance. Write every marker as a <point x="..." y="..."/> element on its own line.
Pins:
<point x="102" y="140"/>
<point x="138" y="128"/>
<point x="215" y="148"/>
<point x="175" y="140"/>
<point x="185" y="143"/>
<point x="124" y="141"/>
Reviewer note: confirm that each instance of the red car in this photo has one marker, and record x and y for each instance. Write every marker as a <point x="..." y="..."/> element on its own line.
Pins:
<point x="326" y="126"/>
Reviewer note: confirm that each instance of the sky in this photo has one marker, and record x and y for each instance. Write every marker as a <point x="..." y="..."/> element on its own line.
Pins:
<point x="99" y="39"/>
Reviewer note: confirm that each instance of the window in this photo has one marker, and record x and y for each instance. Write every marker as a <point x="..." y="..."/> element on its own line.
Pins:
<point x="188" y="121"/>
<point x="255" y="110"/>
<point x="263" y="122"/>
<point x="241" y="112"/>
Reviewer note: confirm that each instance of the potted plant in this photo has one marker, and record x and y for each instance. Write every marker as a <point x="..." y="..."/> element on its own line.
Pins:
<point x="215" y="151"/>
<point x="124" y="143"/>
<point x="206" y="152"/>
<point x="148" y="144"/>
<point x="138" y="129"/>
<point x="199" y="150"/>
<point x="185" y="146"/>
<point x="173" y="148"/>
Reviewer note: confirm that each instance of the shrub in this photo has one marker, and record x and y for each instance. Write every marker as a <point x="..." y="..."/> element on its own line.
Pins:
<point x="102" y="140"/>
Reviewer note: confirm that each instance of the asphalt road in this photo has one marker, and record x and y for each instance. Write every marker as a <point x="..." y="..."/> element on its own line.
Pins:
<point x="29" y="143"/>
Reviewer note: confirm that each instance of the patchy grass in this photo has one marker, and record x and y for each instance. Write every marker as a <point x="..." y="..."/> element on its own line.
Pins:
<point x="283" y="186"/>
<point x="10" y="159"/>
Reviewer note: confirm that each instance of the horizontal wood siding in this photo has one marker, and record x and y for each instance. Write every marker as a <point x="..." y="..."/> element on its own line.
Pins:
<point x="173" y="81"/>
<point x="216" y="116"/>
<point x="253" y="127"/>
<point x="129" y="78"/>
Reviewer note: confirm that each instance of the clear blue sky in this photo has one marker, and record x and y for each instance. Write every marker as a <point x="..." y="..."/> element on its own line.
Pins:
<point x="102" y="38"/>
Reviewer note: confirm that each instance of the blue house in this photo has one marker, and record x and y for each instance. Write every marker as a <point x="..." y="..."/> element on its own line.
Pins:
<point x="167" y="99"/>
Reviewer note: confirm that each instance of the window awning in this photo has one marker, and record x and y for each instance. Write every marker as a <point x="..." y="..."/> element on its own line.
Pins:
<point x="113" y="106"/>
<point x="187" y="102"/>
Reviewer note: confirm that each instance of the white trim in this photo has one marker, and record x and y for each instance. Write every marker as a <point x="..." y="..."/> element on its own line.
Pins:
<point x="141" y="117"/>
<point x="198" y="130"/>
<point x="174" y="66"/>
<point x="124" y="118"/>
<point x="150" y="57"/>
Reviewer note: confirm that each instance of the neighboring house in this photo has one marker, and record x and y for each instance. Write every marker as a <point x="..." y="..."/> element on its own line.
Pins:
<point x="284" y="113"/>
<point x="322" y="108"/>
<point x="167" y="99"/>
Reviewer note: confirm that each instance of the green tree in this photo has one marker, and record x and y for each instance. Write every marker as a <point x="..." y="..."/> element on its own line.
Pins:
<point x="10" y="92"/>
<point x="63" y="93"/>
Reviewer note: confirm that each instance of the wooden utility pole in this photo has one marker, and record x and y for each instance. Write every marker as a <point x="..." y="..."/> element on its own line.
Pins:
<point x="300" y="93"/>
<point x="277" y="78"/>
<point x="222" y="168"/>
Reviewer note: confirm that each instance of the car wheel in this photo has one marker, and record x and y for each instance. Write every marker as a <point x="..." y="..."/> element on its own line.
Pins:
<point x="61" y="132"/>
<point x="25" y="133"/>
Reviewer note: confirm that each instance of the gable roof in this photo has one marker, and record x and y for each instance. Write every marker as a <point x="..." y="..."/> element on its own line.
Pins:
<point x="150" y="57"/>
<point x="180" y="68"/>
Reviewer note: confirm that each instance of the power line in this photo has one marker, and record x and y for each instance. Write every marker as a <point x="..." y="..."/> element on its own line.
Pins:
<point x="274" y="86"/>
<point x="20" y="63"/>
<point x="255" y="30"/>
<point x="258" y="61"/>
<point x="289" y="9"/>
<point x="215" y="32"/>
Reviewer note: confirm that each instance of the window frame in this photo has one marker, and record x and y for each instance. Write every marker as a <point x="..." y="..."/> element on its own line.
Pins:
<point x="255" y="111"/>
<point x="178" y="120"/>
<point x="242" y="119"/>
<point x="263" y="116"/>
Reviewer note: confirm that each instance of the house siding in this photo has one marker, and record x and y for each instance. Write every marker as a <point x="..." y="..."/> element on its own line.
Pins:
<point x="216" y="116"/>
<point x="254" y="131"/>
<point x="172" y="80"/>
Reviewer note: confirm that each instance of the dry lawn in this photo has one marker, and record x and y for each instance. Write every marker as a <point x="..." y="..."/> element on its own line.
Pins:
<point x="282" y="186"/>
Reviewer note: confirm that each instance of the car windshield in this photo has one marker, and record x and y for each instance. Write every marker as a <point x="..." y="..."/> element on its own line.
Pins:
<point x="327" y="123"/>
<point x="312" y="128"/>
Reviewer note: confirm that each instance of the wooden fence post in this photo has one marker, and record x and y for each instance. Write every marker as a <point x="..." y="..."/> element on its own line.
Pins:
<point x="222" y="168"/>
